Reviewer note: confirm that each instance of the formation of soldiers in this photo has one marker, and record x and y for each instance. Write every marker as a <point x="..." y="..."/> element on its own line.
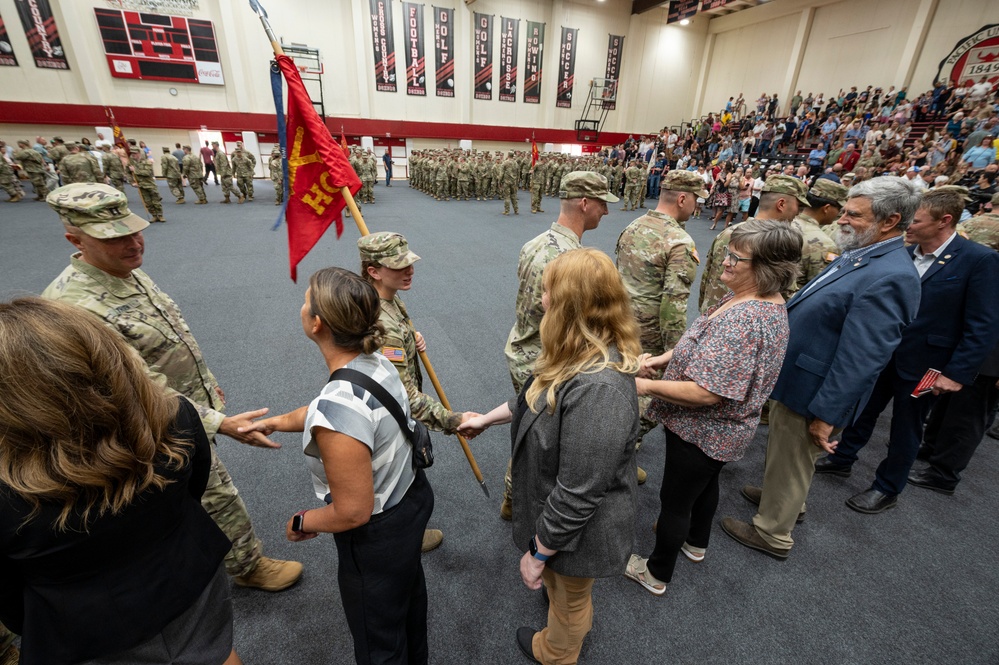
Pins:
<point x="366" y="167"/>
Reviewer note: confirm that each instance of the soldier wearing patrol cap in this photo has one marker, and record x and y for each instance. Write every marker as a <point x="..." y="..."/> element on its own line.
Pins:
<point x="825" y="202"/>
<point x="584" y="197"/>
<point x="193" y="169"/>
<point x="781" y="198"/>
<point x="142" y="171"/>
<point x="276" y="170"/>
<point x="104" y="278"/>
<point x="77" y="166"/>
<point x="170" y="168"/>
<point x="658" y="261"/>
<point x="387" y="262"/>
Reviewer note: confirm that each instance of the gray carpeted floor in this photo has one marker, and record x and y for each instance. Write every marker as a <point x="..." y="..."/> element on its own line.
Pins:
<point x="917" y="584"/>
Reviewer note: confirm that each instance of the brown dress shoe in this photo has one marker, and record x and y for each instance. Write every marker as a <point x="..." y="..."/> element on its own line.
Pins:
<point x="747" y="535"/>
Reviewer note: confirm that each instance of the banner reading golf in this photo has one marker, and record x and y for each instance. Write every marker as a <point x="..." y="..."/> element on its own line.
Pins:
<point x="483" y="54"/>
<point x="443" y="51"/>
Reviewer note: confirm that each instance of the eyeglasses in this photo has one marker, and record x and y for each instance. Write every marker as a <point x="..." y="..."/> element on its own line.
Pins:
<point x="734" y="258"/>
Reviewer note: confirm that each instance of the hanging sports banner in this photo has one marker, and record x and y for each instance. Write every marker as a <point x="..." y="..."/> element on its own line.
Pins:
<point x="509" y="39"/>
<point x="384" y="45"/>
<point x="483" y="56"/>
<point x="7" y="57"/>
<point x="680" y="10"/>
<point x="713" y="4"/>
<point x="615" y="49"/>
<point x="443" y="51"/>
<point x="566" y="68"/>
<point x="534" y="52"/>
<point x="416" y="63"/>
<point x="42" y="33"/>
<point x="973" y="57"/>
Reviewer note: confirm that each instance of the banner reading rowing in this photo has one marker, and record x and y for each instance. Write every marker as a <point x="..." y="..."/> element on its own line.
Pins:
<point x="534" y="52"/>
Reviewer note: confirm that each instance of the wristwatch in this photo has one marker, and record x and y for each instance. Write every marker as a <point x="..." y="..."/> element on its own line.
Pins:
<point x="533" y="546"/>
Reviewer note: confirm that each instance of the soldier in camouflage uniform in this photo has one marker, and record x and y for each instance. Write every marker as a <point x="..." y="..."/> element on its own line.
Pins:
<point x="780" y="199"/>
<point x="369" y="176"/>
<point x="57" y="152"/>
<point x="224" y="171"/>
<point x="984" y="228"/>
<point x="825" y="202"/>
<point x="142" y="172"/>
<point x="511" y="176"/>
<point x="170" y="169"/>
<point x="194" y="170"/>
<point x="485" y="179"/>
<point x="277" y="175"/>
<point x="387" y="262"/>
<point x="8" y="183"/>
<point x="633" y="185"/>
<point x="77" y="166"/>
<point x="584" y="198"/>
<point x="464" y="180"/>
<point x="104" y="278"/>
<point x="114" y="169"/>
<point x="539" y="174"/>
<point x="440" y="181"/>
<point x="658" y="261"/>
<point x="33" y="165"/>
<point x="243" y="166"/>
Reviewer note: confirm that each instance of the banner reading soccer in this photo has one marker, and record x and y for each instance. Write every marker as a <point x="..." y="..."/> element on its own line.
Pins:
<point x="534" y="52"/>
<point x="615" y="49"/>
<point x="483" y="56"/>
<point x="7" y="57"/>
<point x="443" y="50"/>
<point x="566" y="68"/>
<point x="416" y="63"/>
<point x="384" y="45"/>
<point x="43" y="34"/>
<point x="509" y="39"/>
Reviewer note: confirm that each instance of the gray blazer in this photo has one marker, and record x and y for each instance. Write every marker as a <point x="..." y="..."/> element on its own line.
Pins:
<point x="574" y="475"/>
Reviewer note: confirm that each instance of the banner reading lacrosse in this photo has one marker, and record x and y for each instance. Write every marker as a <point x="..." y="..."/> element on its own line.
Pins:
<point x="534" y="52"/>
<point x="509" y="39"/>
<point x="384" y="45"/>
<point x="43" y="34"/>
<point x="444" y="50"/>
<point x="566" y="68"/>
<point x="416" y="63"/>
<point x="483" y="56"/>
<point x="7" y="57"/>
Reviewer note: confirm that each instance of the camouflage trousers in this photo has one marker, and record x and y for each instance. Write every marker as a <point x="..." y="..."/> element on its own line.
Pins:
<point x="9" y="185"/>
<point x="368" y="191"/>
<point x="37" y="179"/>
<point x="223" y="504"/>
<point x="151" y="199"/>
<point x="464" y="189"/>
<point x="278" y="189"/>
<point x="245" y="184"/>
<point x="198" y="185"/>
<point x="485" y="185"/>
<point x="536" y="198"/>
<point x="631" y="197"/>
<point x="509" y="190"/>
<point x="118" y="183"/>
<point x="441" y="190"/>
<point x="226" y="185"/>
<point x="176" y="186"/>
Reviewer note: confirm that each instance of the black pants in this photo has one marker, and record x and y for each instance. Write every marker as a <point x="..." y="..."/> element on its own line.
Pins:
<point x="210" y="168"/>
<point x="956" y="427"/>
<point x="382" y="586"/>
<point x="689" y="499"/>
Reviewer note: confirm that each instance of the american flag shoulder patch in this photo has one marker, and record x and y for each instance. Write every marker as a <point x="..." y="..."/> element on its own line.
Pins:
<point x="394" y="354"/>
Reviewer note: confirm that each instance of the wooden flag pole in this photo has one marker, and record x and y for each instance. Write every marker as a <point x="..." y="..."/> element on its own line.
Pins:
<point x="363" y="228"/>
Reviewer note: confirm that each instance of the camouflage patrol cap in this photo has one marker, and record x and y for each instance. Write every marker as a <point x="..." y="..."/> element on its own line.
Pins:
<point x="57" y="138"/>
<point x="98" y="210"/>
<point x="388" y="249"/>
<point x="785" y="184"/>
<point x="585" y="184"/>
<point x="995" y="200"/>
<point x="72" y="144"/>
<point x="685" y="181"/>
<point x="824" y="188"/>
<point x="133" y="149"/>
<point x="166" y="149"/>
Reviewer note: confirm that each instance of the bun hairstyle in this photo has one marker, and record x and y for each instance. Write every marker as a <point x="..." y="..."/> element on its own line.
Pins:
<point x="348" y="306"/>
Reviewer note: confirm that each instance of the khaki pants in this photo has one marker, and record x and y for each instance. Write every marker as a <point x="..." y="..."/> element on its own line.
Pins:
<point x="787" y="477"/>
<point x="570" y="618"/>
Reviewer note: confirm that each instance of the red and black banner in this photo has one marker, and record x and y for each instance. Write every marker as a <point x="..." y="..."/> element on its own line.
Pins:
<point x="534" y="53"/>
<point x="509" y="40"/>
<point x="7" y="57"/>
<point x="483" y="54"/>
<point x="416" y="62"/>
<point x="680" y="10"/>
<point x="713" y="4"/>
<point x="566" y="68"/>
<point x="43" y="34"/>
<point x="444" y="51"/>
<point x="615" y="49"/>
<point x="384" y="45"/>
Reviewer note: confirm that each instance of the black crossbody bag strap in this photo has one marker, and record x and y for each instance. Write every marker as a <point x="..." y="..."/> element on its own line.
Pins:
<point x="384" y="398"/>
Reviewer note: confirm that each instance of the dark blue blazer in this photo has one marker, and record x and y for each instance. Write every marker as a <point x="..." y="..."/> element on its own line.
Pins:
<point x="844" y="331"/>
<point x="958" y="320"/>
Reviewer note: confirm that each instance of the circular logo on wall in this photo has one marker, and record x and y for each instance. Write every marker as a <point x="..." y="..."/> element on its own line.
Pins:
<point x="973" y="57"/>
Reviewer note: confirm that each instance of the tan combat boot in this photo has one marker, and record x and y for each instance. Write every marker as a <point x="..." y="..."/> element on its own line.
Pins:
<point x="271" y="575"/>
<point x="432" y="539"/>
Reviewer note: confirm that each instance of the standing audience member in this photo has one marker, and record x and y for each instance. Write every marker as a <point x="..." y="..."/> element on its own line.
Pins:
<point x="208" y="157"/>
<point x="573" y="441"/>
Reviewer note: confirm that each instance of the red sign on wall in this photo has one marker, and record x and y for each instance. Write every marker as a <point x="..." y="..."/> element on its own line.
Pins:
<point x="973" y="57"/>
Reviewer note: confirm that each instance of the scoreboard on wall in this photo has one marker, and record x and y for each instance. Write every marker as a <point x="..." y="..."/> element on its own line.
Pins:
<point x="159" y="48"/>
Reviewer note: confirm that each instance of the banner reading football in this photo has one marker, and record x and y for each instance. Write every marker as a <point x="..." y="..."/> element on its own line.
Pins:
<point x="534" y="52"/>
<point x="483" y="56"/>
<point x="42" y="33"/>
<point x="416" y="63"/>
<point x="566" y="68"/>
<point x="444" y="48"/>
<point x="384" y="45"/>
<point x="7" y="57"/>
<point x="615" y="49"/>
<point x="509" y="39"/>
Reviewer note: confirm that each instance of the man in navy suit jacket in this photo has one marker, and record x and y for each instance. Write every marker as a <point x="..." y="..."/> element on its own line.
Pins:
<point x="954" y="331"/>
<point x="845" y="325"/>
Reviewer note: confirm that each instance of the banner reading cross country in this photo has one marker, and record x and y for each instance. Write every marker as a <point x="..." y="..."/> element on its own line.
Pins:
<point x="7" y="57"/>
<point x="384" y="45"/>
<point x="483" y="56"/>
<point x="444" y="50"/>
<point x="615" y="49"/>
<point x="534" y="52"/>
<point x="43" y="34"/>
<point x="509" y="39"/>
<point x="416" y="63"/>
<point x="566" y="68"/>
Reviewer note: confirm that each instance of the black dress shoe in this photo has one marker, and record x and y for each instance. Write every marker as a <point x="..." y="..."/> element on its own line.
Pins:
<point x="871" y="502"/>
<point x="525" y="639"/>
<point x="928" y="479"/>
<point x="825" y="466"/>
